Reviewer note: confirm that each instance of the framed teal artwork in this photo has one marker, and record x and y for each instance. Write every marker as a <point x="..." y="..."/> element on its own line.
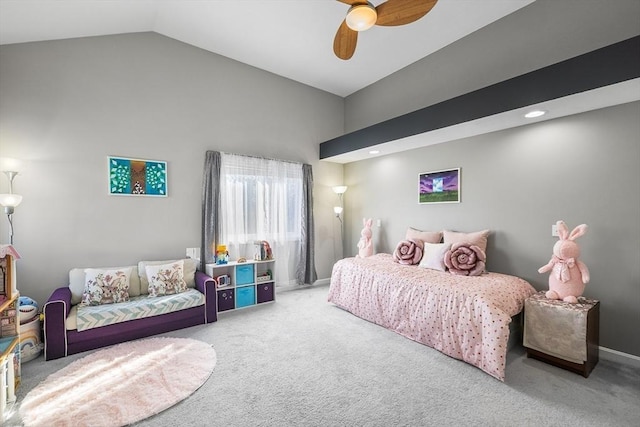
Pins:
<point x="137" y="177"/>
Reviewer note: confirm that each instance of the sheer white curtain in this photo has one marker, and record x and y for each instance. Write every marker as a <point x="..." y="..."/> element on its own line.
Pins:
<point x="262" y="199"/>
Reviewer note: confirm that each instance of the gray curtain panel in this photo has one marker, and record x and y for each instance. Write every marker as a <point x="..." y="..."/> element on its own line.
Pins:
<point x="306" y="271"/>
<point x="210" y="207"/>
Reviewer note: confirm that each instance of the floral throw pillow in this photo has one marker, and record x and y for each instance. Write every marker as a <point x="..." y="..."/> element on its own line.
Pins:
<point x="166" y="279"/>
<point x="105" y="286"/>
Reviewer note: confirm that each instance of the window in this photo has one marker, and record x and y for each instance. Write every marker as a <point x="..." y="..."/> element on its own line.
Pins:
<point x="262" y="199"/>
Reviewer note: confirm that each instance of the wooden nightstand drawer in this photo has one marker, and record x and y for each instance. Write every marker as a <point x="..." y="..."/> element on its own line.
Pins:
<point x="562" y="334"/>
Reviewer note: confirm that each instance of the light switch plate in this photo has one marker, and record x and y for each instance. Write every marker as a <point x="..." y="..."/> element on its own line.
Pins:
<point x="193" y="253"/>
<point x="554" y="230"/>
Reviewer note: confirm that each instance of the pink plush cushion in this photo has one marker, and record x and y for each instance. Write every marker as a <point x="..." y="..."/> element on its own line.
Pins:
<point x="425" y="236"/>
<point x="478" y="238"/>
<point x="433" y="256"/>
<point x="408" y="252"/>
<point x="464" y="259"/>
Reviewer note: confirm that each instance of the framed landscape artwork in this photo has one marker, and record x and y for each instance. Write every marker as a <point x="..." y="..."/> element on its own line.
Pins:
<point x="137" y="177"/>
<point x="440" y="186"/>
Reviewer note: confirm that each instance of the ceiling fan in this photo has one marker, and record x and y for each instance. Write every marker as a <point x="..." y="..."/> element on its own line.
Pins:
<point x="363" y="15"/>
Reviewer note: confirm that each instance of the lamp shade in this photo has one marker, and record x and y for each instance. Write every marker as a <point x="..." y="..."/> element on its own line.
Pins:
<point x="361" y="17"/>
<point x="337" y="210"/>
<point x="10" y="200"/>
<point x="340" y="189"/>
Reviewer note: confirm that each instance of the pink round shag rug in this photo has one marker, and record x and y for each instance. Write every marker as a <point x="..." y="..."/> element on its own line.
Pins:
<point x="120" y="385"/>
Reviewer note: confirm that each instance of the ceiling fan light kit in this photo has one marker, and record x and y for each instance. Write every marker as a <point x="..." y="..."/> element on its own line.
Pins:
<point x="362" y="15"/>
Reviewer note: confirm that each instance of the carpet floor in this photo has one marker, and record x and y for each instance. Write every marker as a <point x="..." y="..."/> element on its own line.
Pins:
<point x="304" y="362"/>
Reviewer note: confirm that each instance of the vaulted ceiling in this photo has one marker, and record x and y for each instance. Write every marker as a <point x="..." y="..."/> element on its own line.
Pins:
<point x="291" y="38"/>
<point x="294" y="39"/>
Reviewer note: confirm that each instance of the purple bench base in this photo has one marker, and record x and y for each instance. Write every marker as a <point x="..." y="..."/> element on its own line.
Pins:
<point x="58" y="342"/>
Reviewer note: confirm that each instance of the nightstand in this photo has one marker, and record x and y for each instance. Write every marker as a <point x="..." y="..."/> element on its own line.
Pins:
<point x="562" y="334"/>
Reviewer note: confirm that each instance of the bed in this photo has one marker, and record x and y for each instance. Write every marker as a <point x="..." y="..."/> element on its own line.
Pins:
<point x="465" y="317"/>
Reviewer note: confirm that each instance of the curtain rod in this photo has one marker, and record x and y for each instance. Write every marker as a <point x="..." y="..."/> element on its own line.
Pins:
<point x="263" y="158"/>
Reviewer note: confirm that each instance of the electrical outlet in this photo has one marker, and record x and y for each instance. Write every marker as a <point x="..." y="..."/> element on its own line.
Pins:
<point x="379" y="223"/>
<point x="554" y="230"/>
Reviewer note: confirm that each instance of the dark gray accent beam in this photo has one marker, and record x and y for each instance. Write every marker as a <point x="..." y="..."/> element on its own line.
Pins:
<point x="609" y="65"/>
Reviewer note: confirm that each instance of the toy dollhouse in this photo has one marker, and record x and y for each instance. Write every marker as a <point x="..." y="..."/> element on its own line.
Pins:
<point x="9" y="330"/>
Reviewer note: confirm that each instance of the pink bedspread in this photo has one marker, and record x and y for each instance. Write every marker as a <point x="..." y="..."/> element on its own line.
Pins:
<point x="465" y="317"/>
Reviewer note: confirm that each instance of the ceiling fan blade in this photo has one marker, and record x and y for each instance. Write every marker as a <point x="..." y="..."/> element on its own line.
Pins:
<point x="401" y="12"/>
<point x="353" y="2"/>
<point x="345" y="41"/>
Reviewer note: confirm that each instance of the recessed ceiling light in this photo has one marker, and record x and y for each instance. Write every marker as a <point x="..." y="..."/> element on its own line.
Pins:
<point x="374" y="152"/>
<point x="535" y="113"/>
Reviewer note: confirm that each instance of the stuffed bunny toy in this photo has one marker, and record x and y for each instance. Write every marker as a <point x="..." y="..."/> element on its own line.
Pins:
<point x="365" y="245"/>
<point x="568" y="274"/>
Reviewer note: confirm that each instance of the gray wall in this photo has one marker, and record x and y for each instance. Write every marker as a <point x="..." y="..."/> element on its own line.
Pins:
<point x="67" y="105"/>
<point x="540" y="34"/>
<point x="517" y="182"/>
<point x="581" y="169"/>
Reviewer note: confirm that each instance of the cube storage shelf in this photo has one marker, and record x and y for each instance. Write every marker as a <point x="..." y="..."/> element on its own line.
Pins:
<point x="242" y="285"/>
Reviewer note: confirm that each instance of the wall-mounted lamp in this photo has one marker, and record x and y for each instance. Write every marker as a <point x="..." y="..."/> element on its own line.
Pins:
<point x="10" y="201"/>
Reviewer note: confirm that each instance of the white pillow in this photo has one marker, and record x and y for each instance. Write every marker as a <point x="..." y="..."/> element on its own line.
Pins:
<point x="106" y="286"/>
<point x="166" y="279"/>
<point x="77" y="279"/>
<point x="433" y="256"/>
<point x="189" y="265"/>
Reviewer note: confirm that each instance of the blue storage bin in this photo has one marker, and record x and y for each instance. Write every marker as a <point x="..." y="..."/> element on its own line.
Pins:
<point x="245" y="296"/>
<point x="244" y="274"/>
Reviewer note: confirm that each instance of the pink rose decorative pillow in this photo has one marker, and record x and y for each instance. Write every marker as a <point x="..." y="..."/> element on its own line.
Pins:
<point x="408" y="252"/>
<point x="464" y="259"/>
